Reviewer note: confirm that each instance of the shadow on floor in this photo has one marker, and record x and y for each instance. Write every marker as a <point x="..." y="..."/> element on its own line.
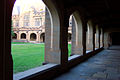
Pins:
<point x="114" y="47"/>
<point x="103" y="66"/>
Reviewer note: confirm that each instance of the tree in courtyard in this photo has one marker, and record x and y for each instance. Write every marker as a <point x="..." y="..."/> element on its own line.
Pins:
<point x="12" y="32"/>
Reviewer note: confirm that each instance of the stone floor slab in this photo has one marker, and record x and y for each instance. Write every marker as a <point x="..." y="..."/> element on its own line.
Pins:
<point x="103" y="66"/>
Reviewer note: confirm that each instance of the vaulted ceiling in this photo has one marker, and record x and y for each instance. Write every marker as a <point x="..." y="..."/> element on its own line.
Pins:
<point x="105" y="12"/>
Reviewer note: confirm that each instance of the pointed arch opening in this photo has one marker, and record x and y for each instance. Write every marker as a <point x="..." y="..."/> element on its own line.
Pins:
<point x="77" y="34"/>
<point x="28" y="20"/>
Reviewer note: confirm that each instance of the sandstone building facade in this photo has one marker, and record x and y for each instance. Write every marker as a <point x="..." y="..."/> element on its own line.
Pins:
<point x="30" y="26"/>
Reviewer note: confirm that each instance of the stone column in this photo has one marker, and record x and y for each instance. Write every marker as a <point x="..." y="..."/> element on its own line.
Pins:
<point x="19" y="36"/>
<point x="64" y="41"/>
<point x="91" y="37"/>
<point x="97" y="45"/>
<point x="47" y="37"/>
<point x="52" y="38"/>
<point x="77" y="34"/>
<point x="73" y="37"/>
<point x="76" y="46"/>
<point x="106" y="40"/>
<point x="37" y="37"/>
<point x="87" y="38"/>
<point x="94" y="38"/>
<point x="101" y="38"/>
<point x="84" y="36"/>
<point x="27" y="36"/>
<point x="110" y="39"/>
<point x="6" y="68"/>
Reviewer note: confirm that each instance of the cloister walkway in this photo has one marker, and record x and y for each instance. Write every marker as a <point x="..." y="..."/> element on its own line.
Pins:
<point x="103" y="66"/>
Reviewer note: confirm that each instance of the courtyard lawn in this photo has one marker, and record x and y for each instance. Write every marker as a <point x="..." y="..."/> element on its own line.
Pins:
<point x="28" y="56"/>
<point x="21" y="43"/>
<point x="69" y="49"/>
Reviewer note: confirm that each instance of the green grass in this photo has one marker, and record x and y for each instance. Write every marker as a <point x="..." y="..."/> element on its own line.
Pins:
<point x="28" y="56"/>
<point x="21" y="43"/>
<point x="69" y="49"/>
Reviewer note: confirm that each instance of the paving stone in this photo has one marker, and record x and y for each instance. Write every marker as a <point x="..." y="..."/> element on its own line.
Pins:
<point x="118" y="69"/>
<point x="100" y="75"/>
<point x="103" y="66"/>
<point x="84" y="77"/>
<point x="96" y="79"/>
<point x="113" y="76"/>
<point x="92" y="79"/>
<point x="111" y="70"/>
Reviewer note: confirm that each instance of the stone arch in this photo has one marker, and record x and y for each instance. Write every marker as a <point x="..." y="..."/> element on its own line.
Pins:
<point x="33" y="37"/>
<point x="97" y="36"/>
<point x="77" y="34"/>
<point x="23" y="36"/>
<point x="14" y="36"/>
<point x="42" y="37"/>
<point x="87" y="34"/>
<point x="90" y="36"/>
<point x="101" y="38"/>
<point x="52" y="34"/>
<point x="55" y="23"/>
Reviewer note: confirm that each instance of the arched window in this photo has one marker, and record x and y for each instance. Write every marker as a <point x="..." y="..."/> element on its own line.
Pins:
<point x="33" y="37"/>
<point x="23" y="36"/>
<point x="77" y="34"/>
<point x="27" y="56"/>
<point x="37" y="22"/>
<point x="14" y="36"/>
<point x="42" y="37"/>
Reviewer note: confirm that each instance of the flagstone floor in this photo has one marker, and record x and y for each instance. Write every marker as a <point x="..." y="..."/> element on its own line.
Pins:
<point x="103" y="66"/>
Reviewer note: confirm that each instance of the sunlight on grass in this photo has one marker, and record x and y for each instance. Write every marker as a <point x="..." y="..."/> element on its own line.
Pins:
<point x="28" y="56"/>
<point x="21" y="43"/>
<point x="69" y="49"/>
